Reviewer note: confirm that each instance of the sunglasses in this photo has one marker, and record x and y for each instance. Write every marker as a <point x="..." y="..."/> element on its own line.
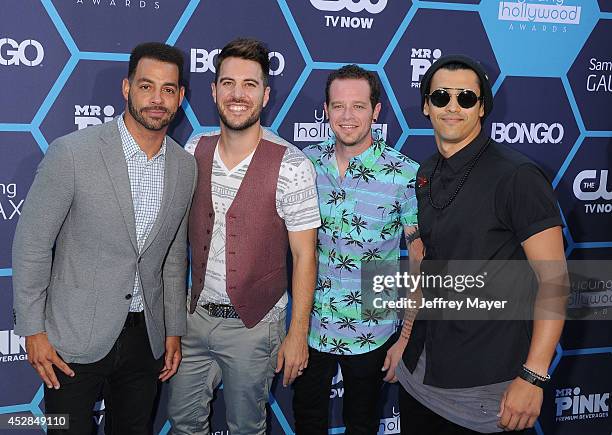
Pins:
<point x="465" y="97"/>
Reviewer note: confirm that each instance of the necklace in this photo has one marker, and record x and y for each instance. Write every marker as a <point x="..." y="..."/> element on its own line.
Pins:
<point x="461" y="181"/>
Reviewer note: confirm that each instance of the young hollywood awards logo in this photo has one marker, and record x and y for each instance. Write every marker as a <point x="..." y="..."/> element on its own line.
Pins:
<point x="122" y="4"/>
<point x="12" y="347"/>
<point x="390" y="425"/>
<point x="10" y="205"/>
<point x="320" y="130"/>
<point x="572" y="404"/>
<point x="592" y="185"/>
<point x="351" y="22"/>
<point x="87" y="115"/>
<point x="600" y="78"/>
<point x="420" y="61"/>
<point x="539" y="15"/>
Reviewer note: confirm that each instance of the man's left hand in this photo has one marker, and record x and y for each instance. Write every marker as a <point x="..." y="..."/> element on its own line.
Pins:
<point x="172" y="359"/>
<point x="293" y="356"/>
<point x="394" y="354"/>
<point x="520" y="405"/>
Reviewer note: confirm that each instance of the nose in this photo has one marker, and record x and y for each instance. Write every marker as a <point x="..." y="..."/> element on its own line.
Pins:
<point x="156" y="97"/>
<point x="347" y="113"/>
<point x="238" y="92"/>
<point x="453" y="104"/>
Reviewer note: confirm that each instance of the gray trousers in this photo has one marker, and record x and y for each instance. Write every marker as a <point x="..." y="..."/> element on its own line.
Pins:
<point x="216" y="349"/>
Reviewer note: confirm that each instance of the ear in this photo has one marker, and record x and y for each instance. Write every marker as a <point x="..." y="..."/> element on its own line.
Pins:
<point x="125" y="88"/>
<point x="213" y="90"/>
<point x="325" y="110"/>
<point x="426" y="107"/>
<point x="376" y="112"/>
<point x="181" y="94"/>
<point x="266" y="96"/>
<point x="481" y="111"/>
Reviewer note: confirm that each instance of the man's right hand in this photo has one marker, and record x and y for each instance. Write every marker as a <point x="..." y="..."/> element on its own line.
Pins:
<point x="42" y="356"/>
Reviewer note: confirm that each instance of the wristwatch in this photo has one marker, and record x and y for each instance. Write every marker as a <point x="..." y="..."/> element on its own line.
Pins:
<point x="533" y="377"/>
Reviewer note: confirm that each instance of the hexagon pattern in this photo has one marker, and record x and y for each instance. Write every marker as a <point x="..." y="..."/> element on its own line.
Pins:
<point x="62" y="62"/>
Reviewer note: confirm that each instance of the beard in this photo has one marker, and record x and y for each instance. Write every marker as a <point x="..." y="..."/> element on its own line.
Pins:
<point x="349" y="142"/>
<point x="239" y="125"/>
<point x="150" y="124"/>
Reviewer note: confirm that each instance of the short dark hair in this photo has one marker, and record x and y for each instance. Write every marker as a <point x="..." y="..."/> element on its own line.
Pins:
<point x="247" y="49"/>
<point x="455" y="66"/>
<point x="355" y="72"/>
<point x="156" y="51"/>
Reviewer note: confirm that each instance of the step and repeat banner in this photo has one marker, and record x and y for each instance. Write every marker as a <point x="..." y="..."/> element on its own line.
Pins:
<point x="62" y="62"/>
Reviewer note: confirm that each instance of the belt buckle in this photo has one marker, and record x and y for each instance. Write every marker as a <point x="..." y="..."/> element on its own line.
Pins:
<point x="209" y="308"/>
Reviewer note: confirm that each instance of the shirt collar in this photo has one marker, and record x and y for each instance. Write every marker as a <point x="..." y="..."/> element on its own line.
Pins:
<point x="367" y="158"/>
<point x="462" y="157"/>
<point x="130" y="146"/>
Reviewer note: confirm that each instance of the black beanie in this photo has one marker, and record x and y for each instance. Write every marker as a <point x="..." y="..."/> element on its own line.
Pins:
<point x="485" y="85"/>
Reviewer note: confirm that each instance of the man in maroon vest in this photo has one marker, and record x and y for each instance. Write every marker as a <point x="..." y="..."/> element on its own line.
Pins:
<point x="255" y="198"/>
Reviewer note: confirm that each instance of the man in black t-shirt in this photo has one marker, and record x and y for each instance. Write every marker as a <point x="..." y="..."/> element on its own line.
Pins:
<point x="479" y="200"/>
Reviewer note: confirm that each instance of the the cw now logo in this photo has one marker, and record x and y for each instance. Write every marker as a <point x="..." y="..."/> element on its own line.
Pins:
<point x="84" y="116"/>
<point x="533" y="133"/>
<point x="203" y="61"/>
<point x="19" y="53"/>
<point x="420" y="61"/>
<point x="351" y="6"/>
<point x="587" y="186"/>
<point x="337" y="391"/>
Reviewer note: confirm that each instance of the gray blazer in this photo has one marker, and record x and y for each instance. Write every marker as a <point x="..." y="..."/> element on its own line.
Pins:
<point x="75" y="253"/>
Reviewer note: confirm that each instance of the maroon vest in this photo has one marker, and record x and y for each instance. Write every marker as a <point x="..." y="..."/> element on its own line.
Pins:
<point x="256" y="238"/>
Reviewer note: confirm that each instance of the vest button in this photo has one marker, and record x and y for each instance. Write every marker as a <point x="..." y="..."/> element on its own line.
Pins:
<point x="128" y="297"/>
<point x="210" y="214"/>
<point x="207" y="231"/>
<point x="205" y="247"/>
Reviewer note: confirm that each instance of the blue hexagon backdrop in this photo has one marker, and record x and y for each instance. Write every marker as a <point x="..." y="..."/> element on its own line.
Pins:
<point x="62" y="61"/>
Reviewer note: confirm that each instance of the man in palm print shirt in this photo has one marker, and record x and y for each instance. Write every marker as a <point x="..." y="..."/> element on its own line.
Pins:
<point x="367" y="201"/>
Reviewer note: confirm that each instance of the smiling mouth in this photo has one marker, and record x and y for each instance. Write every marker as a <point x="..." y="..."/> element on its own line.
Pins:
<point x="237" y="108"/>
<point x="347" y="126"/>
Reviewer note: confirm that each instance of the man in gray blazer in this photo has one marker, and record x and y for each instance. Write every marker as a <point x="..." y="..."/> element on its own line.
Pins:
<point x="99" y="255"/>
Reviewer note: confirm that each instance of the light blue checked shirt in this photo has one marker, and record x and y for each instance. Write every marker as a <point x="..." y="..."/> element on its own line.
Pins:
<point x="147" y="185"/>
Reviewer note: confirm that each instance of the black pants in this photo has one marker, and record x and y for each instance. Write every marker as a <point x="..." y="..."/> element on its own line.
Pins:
<point x="417" y="419"/>
<point x="128" y="376"/>
<point x="362" y="384"/>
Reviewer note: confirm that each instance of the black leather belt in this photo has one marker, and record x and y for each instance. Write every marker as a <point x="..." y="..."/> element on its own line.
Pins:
<point x="134" y="319"/>
<point x="221" y="310"/>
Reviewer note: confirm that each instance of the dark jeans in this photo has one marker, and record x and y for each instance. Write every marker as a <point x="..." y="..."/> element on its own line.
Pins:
<point x="417" y="419"/>
<point x="362" y="384"/>
<point x="127" y="376"/>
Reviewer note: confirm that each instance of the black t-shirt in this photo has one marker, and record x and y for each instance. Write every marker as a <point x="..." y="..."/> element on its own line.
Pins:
<point x="504" y="200"/>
